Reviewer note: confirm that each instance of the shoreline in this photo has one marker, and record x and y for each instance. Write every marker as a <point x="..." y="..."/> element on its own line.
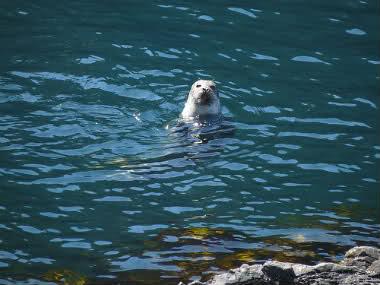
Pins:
<point x="360" y="265"/>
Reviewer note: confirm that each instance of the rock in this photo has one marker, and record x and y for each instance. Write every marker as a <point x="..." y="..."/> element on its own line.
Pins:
<point x="196" y="282"/>
<point x="363" y="251"/>
<point x="243" y="275"/>
<point x="361" y="265"/>
<point x="374" y="269"/>
<point x="332" y="267"/>
<point x="358" y="262"/>
<point x="358" y="279"/>
<point x="301" y="269"/>
<point x="361" y="257"/>
<point x="279" y="271"/>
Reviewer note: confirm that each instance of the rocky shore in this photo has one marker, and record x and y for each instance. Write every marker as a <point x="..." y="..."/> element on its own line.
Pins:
<point x="361" y="266"/>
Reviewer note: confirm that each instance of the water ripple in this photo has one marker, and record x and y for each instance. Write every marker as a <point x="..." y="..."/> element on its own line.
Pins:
<point x="94" y="163"/>
<point x="328" y="121"/>
<point x="242" y="11"/>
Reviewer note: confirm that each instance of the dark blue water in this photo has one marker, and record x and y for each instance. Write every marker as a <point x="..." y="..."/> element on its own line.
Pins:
<point x="97" y="187"/>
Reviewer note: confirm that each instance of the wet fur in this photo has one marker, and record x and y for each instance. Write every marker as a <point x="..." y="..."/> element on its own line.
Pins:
<point x="202" y="101"/>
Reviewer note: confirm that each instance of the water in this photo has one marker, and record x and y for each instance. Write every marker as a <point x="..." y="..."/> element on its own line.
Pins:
<point x="96" y="187"/>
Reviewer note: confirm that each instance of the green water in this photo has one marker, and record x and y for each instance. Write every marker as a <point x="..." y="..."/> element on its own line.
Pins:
<point x="95" y="186"/>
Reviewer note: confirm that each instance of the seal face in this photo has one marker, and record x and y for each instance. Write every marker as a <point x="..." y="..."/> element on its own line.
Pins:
<point x="202" y="101"/>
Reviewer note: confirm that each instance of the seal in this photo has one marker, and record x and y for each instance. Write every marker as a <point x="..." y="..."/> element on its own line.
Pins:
<point x="202" y="101"/>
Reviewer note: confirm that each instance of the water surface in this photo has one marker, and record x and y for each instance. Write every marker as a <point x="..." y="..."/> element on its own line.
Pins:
<point x="96" y="185"/>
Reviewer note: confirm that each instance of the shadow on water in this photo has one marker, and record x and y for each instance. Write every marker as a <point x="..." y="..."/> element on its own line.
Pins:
<point x="202" y="130"/>
<point x="183" y="140"/>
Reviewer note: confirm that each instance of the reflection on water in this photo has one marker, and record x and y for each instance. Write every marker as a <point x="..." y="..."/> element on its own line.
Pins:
<point x="100" y="182"/>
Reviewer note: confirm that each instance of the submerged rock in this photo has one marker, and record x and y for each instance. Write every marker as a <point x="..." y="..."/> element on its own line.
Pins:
<point x="361" y="265"/>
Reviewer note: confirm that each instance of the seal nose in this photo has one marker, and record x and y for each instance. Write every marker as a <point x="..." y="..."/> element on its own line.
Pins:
<point x="205" y="93"/>
<point x="206" y="90"/>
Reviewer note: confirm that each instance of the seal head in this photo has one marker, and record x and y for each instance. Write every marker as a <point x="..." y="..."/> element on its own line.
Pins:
<point x="202" y="101"/>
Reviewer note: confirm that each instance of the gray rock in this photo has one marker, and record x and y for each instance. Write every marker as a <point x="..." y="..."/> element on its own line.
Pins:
<point x="279" y="271"/>
<point x="363" y="251"/>
<point x="301" y="269"/>
<point x="196" y="282"/>
<point x="332" y="267"/>
<point x="361" y="265"/>
<point x="358" y="279"/>
<point x="374" y="269"/>
<point x="361" y="257"/>
<point x="245" y="274"/>
<point x="359" y="262"/>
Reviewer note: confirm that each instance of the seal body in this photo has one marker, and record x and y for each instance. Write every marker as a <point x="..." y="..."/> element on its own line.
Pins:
<point x="202" y="101"/>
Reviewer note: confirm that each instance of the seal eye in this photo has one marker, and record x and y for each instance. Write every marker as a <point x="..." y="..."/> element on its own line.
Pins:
<point x="212" y="87"/>
<point x="198" y="86"/>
